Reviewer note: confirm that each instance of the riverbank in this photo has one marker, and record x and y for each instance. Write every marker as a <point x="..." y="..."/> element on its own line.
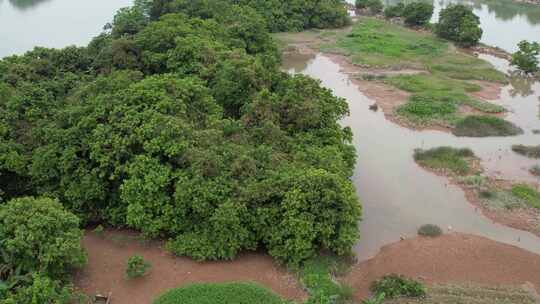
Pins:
<point x="419" y="81"/>
<point x="449" y="259"/>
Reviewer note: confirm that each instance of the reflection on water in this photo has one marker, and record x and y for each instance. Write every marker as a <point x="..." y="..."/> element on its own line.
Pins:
<point x="25" y="24"/>
<point x="397" y="195"/>
<point x="504" y="22"/>
<point x="26" y="4"/>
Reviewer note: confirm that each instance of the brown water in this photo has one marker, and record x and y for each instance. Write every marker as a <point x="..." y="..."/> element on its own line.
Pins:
<point x="397" y="195"/>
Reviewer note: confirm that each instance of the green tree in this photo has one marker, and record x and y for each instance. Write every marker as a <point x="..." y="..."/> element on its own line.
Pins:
<point x="417" y="13"/>
<point x="459" y="24"/>
<point x="526" y="58"/>
<point x="39" y="235"/>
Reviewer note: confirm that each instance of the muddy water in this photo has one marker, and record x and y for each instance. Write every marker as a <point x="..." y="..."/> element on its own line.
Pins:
<point x="25" y="24"/>
<point x="504" y="22"/>
<point x="397" y="195"/>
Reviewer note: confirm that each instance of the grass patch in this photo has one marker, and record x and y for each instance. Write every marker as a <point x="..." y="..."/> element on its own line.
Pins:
<point x="528" y="194"/>
<point x="436" y="95"/>
<point x="469" y="294"/>
<point x="430" y="230"/>
<point x="317" y="276"/>
<point x="529" y="151"/>
<point x="230" y="293"/>
<point x="484" y="126"/>
<point x="455" y="160"/>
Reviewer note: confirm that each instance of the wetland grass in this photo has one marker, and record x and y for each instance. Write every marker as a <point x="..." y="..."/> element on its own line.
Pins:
<point x="445" y="158"/>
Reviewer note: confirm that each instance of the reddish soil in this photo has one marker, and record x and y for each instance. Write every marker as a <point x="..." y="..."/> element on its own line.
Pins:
<point x="107" y="256"/>
<point x="490" y="90"/>
<point x="451" y="258"/>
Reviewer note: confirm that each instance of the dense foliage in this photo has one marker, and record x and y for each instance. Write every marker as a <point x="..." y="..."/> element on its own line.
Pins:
<point x="458" y="23"/>
<point x="279" y="15"/>
<point x="417" y="13"/>
<point x="228" y="293"/>
<point x="39" y="245"/>
<point x="394" y="285"/>
<point x="183" y="126"/>
<point x="526" y="58"/>
<point x="393" y="11"/>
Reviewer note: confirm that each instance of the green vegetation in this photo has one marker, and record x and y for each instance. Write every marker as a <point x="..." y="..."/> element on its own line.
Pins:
<point x="528" y="194"/>
<point x="39" y="246"/>
<point x="445" y="158"/>
<point x="529" y="151"/>
<point x="375" y="6"/>
<point x="317" y="275"/>
<point x="137" y="267"/>
<point x="394" y="286"/>
<point x="178" y="122"/>
<point x="458" y="23"/>
<point x="228" y="293"/>
<point x="526" y="58"/>
<point x="469" y="294"/>
<point x="393" y="11"/>
<point x="278" y="15"/>
<point x="438" y="94"/>
<point x="483" y="126"/>
<point x="418" y="13"/>
<point x="430" y="230"/>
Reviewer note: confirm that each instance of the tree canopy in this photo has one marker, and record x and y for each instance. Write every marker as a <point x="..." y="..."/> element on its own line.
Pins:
<point x="177" y="121"/>
<point x="458" y="23"/>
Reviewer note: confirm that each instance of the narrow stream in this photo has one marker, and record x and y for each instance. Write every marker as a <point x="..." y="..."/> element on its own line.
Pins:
<point x="397" y="195"/>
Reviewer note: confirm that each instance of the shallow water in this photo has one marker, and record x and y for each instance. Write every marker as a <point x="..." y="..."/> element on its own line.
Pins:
<point x="397" y="195"/>
<point x="505" y="23"/>
<point x="25" y="24"/>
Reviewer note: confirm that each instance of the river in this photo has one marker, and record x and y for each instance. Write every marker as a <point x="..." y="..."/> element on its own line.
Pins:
<point x="25" y="24"/>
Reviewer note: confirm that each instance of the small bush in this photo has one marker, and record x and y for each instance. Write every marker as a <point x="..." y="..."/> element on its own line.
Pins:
<point x="375" y="6"/>
<point x="393" y="11"/>
<point x="417" y="13"/>
<point x="99" y="230"/>
<point x="528" y="194"/>
<point x="137" y="267"/>
<point x="445" y="158"/>
<point x="229" y="293"/>
<point x="394" y="285"/>
<point x="526" y="58"/>
<point x="430" y="230"/>
<point x="484" y="126"/>
<point x="529" y="151"/>
<point x="535" y="170"/>
<point x="458" y="23"/>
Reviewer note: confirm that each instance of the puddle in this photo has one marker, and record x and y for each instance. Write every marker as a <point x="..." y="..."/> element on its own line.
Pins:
<point x="397" y="195"/>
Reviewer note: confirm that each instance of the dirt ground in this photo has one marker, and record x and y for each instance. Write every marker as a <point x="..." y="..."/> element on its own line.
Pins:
<point x="108" y="253"/>
<point x="451" y="258"/>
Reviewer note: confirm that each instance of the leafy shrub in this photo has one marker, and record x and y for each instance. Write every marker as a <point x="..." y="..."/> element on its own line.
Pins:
<point x="529" y="151"/>
<point x="393" y="11"/>
<point x="430" y="230"/>
<point x="375" y="6"/>
<point x="417" y="13"/>
<point x="394" y="285"/>
<point x="526" y="58"/>
<point x="228" y="293"/>
<point x="39" y="235"/>
<point x="458" y="23"/>
<point x="361" y="4"/>
<point x="445" y="158"/>
<point x="42" y="289"/>
<point x="484" y="126"/>
<point x="137" y="267"/>
<point x="528" y="194"/>
<point x="317" y="278"/>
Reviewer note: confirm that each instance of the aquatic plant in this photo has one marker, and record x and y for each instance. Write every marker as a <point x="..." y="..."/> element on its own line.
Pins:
<point x="453" y="159"/>
<point x="529" y="151"/>
<point x="484" y="126"/>
<point x="430" y="230"/>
